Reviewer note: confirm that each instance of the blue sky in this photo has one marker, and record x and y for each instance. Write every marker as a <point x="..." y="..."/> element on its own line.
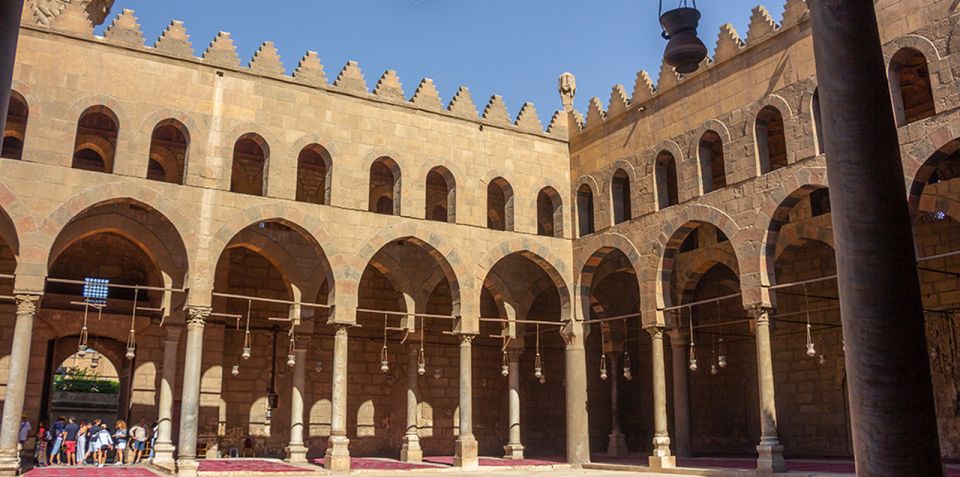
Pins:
<point x="515" y="48"/>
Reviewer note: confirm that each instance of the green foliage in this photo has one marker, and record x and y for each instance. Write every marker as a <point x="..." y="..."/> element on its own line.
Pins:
<point x="77" y="380"/>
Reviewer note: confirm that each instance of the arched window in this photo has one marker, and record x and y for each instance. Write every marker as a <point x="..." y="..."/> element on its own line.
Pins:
<point x="771" y="140"/>
<point x="620" y="195"/>
<point x="314" y="167"/>
<point x="385" y="186"/>
<point x="712" y="171"/>
<point x="16" y="128"/>
<point x="441" y="199"/>
<point x="549" y="213"/>
<point x="820" y="148"/>
<point x="500" y="205"/>
<point x="666" y="178"/>
<point x="250" y="154"/>
<point x="168" y="151"/>
<point x="96" y="142"/>
<point x="585" y="210"/>
<point x="910" y="86"/>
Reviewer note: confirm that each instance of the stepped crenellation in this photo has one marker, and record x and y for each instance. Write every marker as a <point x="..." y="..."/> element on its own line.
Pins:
<point x="221" y="52"/>
<point x="729" y="45"/>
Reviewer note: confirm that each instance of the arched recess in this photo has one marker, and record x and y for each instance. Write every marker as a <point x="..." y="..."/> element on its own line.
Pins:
<point x="910" y="86"/>
<point x="809" y="203"/>
<point x="543" y="258"/>
<point x="314" y="175"/>
<point x="698" y="228"/>
<point x="710" y="159"/>
<point x="665" y="180"/>
<point x="549" y="213"/>
<point x="500" y="205"/>
<point x="770" y="139"/>
<point x="620" y="196"/>
<point x="15" y="131"/>
<point x="9" y="251"/>
<point x="248" y="174"/>
<point x="441" y="195"/>
<point x="385" y="186"/>
<point x="169" y="148"/>
<point x="585" y="210"/>
<point x="96" y="142"/>
<point x="617" y="254"/>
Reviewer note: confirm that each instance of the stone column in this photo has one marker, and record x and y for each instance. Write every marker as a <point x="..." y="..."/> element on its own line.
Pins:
<point x="514" y="448"/>
<point x="11" y="12"/>
<point x="617" y="444"/>
<point x="575" y="373"/>
<point x="190" y="402"/>
<point x="17" y="382"/>
<point x="296" y="450"/>
<point x="893" y="417"/>
<point x="337" y="456"/>
<point x="411" y="451"/>
<point x="661" y="458"/>
<point x="465" y="455"/>
<point x="163" y="453"/>
<point x="770" y="450"/>
<point x="681" y="394"/>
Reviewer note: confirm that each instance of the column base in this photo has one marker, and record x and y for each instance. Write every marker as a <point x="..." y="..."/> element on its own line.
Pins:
<point x="187" y="467"/>
<point x="770" y="459"/>
<point x="513" y="452"/>
<point x="617" y="446"/>
<point x="163" y="458"/>
<point x="662" y="462"/>
<point x="411" y="450"/>
<point x="296" y="453"/>
<point x="337" y="457"/>
<point x="465" y="453"/>
<point x="9" y="466"/>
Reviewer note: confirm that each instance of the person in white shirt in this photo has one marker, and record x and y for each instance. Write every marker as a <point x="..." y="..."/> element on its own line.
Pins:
<point x="104" y="444"/>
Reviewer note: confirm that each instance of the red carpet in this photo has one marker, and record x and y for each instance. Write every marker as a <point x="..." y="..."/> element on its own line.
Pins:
<point x="246" y="465"/>
<point x="365" y="463"/>
<point x="493" y="461"/>
<point x="88" y="471"/>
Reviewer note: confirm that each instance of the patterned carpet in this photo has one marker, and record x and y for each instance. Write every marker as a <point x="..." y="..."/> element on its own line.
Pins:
<point x="89" y="471"/>
<point x="374" y="463"/>
<point x="247" y="465"/>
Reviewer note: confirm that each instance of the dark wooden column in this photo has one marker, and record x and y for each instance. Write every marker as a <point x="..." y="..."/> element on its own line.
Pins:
<point x="10" y="12"/>
<point x="891" y="396"/>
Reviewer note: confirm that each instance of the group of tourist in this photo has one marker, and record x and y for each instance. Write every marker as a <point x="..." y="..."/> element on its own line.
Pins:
<point x="74" y="442"/>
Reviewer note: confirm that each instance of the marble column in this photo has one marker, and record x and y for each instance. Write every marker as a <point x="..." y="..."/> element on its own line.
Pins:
<point x="661" y="458"/>
<point x="770" y="451"/>
<point x="681" y="394"/>
<point x="11" y="12"/>
<point x="411" y="451"/>
<point x="575" y="374"/>
<point x="617" y="444"/>
<point x="465" y="453"/>
<point x="296" y="451"/>
<point x="190" y="402"/>
<point x="337" y="456"/>
<point x="17" y="383"/>
<point x="514" y="448"/>
<point x="163" y="452"/>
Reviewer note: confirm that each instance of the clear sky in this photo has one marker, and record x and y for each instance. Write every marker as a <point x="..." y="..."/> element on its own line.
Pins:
<point x="515" y="48"/>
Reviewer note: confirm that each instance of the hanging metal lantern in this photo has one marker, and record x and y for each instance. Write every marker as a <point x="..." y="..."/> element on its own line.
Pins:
<point x="603" y="367"/>
<point x="131" y="345"/>
<point x="291" y="353"/>
<point x="421" y="361"/>
<point x="684" y="49"/>
<point x="627" y="373"/>
<point x="722" y="359"/>
<point x="384" y="359"/>
<point x="131" y="352"/>
<point x="713" y="370"/>
<point x="504" y="366"/>
<point x="811" y="349"/>
<point x="693" y="363"/>
<point x="235" y="371"/>
<point x="538" y="367"/>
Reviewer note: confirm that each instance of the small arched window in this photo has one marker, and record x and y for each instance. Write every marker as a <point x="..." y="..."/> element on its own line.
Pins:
<point x="585" y="210"/>
<point x="168" y="151"/>
<point x="96" y="142"/>
<point x="549" y="213"/>
<point x="385" y="186"/>
<point x="500" y="205"/>
<point x="314" y="167"/>
<point x="712" y="170"/>
<point x="666" y="180"/>
<point x="910" y="86"/>
<point x="820" y="146"/>
<point x="250" y="154"/>
<point x="771" y="140"/>
<point x="620" y="196"/>
<point x="441" y="198"/>
<point x="15" y="130"/>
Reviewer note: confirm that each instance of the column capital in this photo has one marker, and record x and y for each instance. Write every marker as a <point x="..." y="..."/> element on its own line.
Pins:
<point x="343" y="329"/>
<point x="197" y="316"/>
<point x="27" y="304"/>
<point x="656" y="332"/>
<point x="465" y="338"/>
<point x="572" y="331"/>
<point x="760" y="312"/>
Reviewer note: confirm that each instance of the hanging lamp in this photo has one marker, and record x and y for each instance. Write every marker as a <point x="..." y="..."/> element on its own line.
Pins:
<point x="693" y="346"/>
<point x="384" y="359"/>
<point x="811" y="349"/>
<point x="132" y="338"/>
<point x="291" y="351"/>
<point x="603" y="366"/>
<point x="421" y="356"/>
<point x="684" y="49"/>
<point x="538" y="360"/>
<point x="245" y="352"/>
<point x="627" y="373"/>
<point x="504" y="363"/>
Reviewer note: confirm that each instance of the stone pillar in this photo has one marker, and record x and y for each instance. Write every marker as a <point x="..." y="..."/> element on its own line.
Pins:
<point x="337" y="456"/>
<point x="465" y="454"/>
<point x="411" y="451"/>
<point x="190" y="402"/>
<point x="296" y="450"/>
<point x="575" y="373"/>
<point x="893" y="419"/>
<point x="770" y="451"/>
<point x="11" y="12"/>
<point x="163" y="453"/>
<point x="17" y="382"/>
<point x="681" y="394"/>
<point x="661" y="458"/>
<point x="514" y="448"/>
<point x="617" y="444"/>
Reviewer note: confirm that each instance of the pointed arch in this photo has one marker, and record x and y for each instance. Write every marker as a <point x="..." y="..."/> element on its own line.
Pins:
<point x="314" y="174"/>
<point x="96" y="143"/>
<point x="15" y="131"/>
<point x="441" y="195"/>
<point x="169" y="147"/>
<point x="385" y="186"/>
<point x="248" y="175"/>
<point x="549" y="213"/>
<point x="500" y="205"/>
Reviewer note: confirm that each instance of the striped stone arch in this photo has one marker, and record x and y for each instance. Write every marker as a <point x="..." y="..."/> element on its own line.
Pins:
<point x="791" y="127"/>
<point x="927" y="154"/>
<point x="603" y="247"/>
<point x="555" y="267"/>
<point x="701" y="264"/>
